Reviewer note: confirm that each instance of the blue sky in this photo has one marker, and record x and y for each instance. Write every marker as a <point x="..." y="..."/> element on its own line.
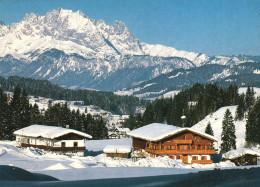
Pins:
<point x="214" y="27"/>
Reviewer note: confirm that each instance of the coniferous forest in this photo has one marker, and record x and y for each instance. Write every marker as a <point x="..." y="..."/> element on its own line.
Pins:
<point x="195" y="103"/>
<point x="199" y="101"/>
<point x="105" y="100"/>
<point x="17" y="113"/>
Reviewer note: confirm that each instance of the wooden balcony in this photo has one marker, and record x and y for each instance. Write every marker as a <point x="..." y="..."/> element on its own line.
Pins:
<point x="180" y="152"/>
<point x="67" y="148"/>
<point x="183" y="141"/>
<point x="202" y="161"/>
<point x="50" y="148"/>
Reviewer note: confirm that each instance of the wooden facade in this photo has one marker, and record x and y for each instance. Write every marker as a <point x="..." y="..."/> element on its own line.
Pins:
<point x="118" y="155"/>
<point x="188" y="146"/>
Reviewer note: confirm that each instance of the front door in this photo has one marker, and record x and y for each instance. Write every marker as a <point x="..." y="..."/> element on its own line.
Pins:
<point x="185" y="159"/>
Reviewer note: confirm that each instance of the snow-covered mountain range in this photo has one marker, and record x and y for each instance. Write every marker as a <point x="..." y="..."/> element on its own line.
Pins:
<point x="246" y="74"/>
<point x="76" y="51"/>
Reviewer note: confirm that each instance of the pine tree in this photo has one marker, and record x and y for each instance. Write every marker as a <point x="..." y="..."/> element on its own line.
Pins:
<point x="253" y="125"/>
<point x="209" y="130"/>
<point x="251" y="128"/>
<point x="36" y="115"/>
<point x="16" y="108"/>
<point x="4" y="117"/>
<point x="240" y="108"/>
<point x="250" y="98"/>
<point x="25" y="109"/>
<point x="228" y="136"/>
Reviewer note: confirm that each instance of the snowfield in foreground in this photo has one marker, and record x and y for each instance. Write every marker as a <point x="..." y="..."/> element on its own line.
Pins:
<point x="98" y="167"/>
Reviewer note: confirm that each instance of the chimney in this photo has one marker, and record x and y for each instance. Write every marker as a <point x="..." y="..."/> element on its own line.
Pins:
<point x="67" y="126"/>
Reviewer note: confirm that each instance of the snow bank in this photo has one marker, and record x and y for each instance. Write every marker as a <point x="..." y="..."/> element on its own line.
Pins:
<point x="2" y="151"/>
<point x="57" y="167"/>
<point x="117" y="149"/>
<point x="240" y="152"/>
<point x="78" y="165"/>
<point x="159" y="162"/>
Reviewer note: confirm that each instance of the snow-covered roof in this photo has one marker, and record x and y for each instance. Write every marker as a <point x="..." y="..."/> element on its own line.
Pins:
<point x="47" y="131"/>
<point x="122" y="129"/>
<point x="117" y="149"/>
<point x="158" y="131"/>
<point x="240" y="152"/>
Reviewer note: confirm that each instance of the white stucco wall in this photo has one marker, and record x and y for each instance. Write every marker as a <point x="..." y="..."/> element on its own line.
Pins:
<point x="48" y="142"/>
<point x="70" y="143"/>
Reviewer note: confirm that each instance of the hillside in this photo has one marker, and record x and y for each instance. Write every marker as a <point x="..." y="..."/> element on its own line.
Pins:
<point x="105" y="100"/>
<point x="246" y="74"/>
<point x="216" y="119"/>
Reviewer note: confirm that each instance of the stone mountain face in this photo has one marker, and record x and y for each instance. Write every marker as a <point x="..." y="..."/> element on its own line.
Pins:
<point x="72" y="50"/>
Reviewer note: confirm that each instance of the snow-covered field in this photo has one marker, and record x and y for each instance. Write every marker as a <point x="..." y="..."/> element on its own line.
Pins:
<point x="98" y="167"/>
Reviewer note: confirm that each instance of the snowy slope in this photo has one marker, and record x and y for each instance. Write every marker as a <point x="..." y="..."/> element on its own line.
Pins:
<point x="216" y="119"/>
<point x="242" y="75"/>
<point x="243" y="90"/>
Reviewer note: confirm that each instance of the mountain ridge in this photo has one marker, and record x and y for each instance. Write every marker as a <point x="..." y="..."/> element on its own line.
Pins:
<point x="73" y="50"/>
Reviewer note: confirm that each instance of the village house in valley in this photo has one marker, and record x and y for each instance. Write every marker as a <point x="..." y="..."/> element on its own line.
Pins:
<point x="51" y="138"/>
<point x="185" y="144"/>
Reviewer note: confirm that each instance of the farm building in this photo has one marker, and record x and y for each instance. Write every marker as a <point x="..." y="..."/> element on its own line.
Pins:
<point x="51" y="138"/>
<point x="243" y="157"/>
<point x="184" y="144"/>
<point x="121" y="151"/>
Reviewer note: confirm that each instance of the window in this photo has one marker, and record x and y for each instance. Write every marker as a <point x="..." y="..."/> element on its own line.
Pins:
<point x="63" y="144"/>
<point x="171" y="147"/>
<point x="162" y="147"/>
<point x="194" y="158"/>
<point x="203" y="158"/>
<point x="184" y="147"/>
<point x="178" y="157"/>
<point x="75" y="144"/>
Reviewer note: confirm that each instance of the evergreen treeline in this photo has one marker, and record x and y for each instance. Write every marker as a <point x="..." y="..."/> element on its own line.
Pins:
<point x="18" y="113"/>
<point x="105" y="100"/>
<point x="195" y="103"/>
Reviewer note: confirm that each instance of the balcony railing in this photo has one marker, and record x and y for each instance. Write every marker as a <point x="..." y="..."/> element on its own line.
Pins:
<point x="54" y="148"/>
<point x="183" y="141"/>
<point x="202" y="161"/>
<point x="181" y="152"/>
